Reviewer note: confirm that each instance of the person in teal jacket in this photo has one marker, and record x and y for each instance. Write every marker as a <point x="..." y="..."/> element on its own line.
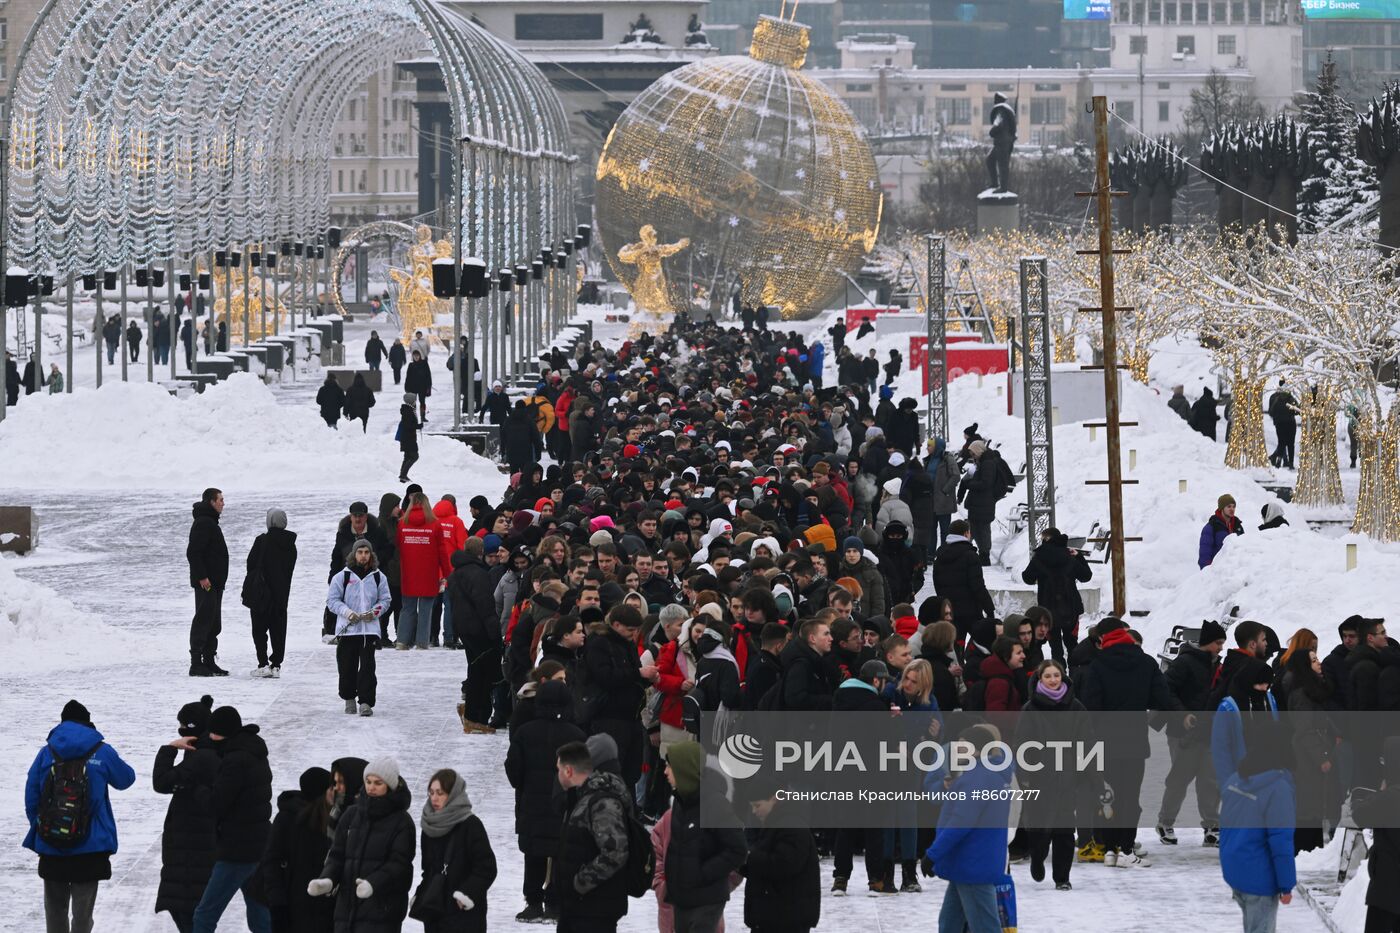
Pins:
<point x="969" y="851"/>
<point x="71" y="873"/>
<point x="1256" y="830"/>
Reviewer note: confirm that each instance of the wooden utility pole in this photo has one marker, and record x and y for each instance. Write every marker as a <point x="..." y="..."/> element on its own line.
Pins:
<point x="1103" y="196"/>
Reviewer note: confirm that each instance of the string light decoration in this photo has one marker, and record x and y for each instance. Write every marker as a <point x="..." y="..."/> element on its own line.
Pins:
<point x="194" y="125"/>
<point x="1319" y="474"/>
<point x="761" y="167"/>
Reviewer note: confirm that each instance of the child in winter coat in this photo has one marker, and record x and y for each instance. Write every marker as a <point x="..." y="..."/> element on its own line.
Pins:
<point x="456" y="848"/>
<point x="296" y="852"/>
<point x="370" y="863"/>
<point x="358" y="596"/>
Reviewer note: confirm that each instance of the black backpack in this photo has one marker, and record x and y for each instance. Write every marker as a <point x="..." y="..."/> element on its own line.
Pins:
<point x="1006" y="480"/>
<point x="65" y="803"/>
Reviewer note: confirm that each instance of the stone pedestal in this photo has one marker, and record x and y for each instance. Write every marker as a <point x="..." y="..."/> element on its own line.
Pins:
<point x="998" y="210"/>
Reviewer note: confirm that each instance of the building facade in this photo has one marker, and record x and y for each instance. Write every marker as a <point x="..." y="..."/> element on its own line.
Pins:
<point x="374" y="152"/>
<point x="1261" y="37"/>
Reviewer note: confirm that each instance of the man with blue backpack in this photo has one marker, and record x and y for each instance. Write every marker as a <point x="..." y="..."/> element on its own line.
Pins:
<point x="71" y="825"/>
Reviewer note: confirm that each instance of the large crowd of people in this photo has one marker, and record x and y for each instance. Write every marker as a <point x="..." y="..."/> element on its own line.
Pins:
<point x="698" y="525"/>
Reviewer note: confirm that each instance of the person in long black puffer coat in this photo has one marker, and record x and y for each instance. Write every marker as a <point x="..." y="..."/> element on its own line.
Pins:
<point x="347" y="780"/>
<point x="358" y="401"/>
<point x="187" y="840"/>
<point x="532" y="771"/>
<point x="1055" y="568"/>
<point x="296" y="852"/>
<point x="330" y="398"/>
<point x="782" y="889"/>
<point x="518" y="437"/>
<point x="456" y="847"/>
<point x="370" y="863"/>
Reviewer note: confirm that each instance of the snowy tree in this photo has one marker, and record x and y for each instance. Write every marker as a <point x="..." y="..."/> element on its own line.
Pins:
<point x="1343" y="181"/>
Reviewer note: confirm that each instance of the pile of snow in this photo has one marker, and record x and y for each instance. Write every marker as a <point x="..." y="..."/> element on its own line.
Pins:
<point x="235" y="435"/>
<point x="39" y="629"/>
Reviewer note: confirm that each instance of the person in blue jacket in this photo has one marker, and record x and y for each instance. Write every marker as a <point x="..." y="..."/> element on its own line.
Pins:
<point x="816" y="362"/>
<point x="1256" y="831"/>
<point x="1248" y="704"/>
<point x="71" y="874"/>
<point x="969" y="851"/>
<point x="1220" y="526"/>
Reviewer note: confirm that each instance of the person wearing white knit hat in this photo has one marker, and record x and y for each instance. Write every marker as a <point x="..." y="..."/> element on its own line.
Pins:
<point x="371" y="877"/>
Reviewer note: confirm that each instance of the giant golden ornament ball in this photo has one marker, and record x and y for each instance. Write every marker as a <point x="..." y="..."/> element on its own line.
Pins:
<point x="747" y="173"/>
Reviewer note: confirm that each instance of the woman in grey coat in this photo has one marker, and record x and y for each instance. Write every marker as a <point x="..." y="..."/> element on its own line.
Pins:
<point x="943" y="465"/>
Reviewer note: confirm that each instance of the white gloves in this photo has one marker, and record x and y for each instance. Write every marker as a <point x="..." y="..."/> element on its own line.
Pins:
<point x="464" y="902"/>
<point x="363" y="889"/>
<point x="320" y="887"/>
<point x="327" y="639"/>
<point x="969" y="469"/>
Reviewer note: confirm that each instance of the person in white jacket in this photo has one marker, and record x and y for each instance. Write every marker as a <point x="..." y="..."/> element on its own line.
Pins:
<point x="358" y="596"/>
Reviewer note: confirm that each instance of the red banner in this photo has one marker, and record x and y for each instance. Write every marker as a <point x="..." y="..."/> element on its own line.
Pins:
<point x="858" y="315"/>
<point x="971" y="357"/>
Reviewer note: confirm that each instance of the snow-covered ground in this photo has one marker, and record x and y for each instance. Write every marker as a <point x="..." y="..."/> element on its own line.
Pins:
<point x="100" y="611"/>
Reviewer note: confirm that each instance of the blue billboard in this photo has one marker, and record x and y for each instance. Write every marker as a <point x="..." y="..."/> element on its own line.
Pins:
<point x="1102" y="9"/>
<point x="1341" y="9"/>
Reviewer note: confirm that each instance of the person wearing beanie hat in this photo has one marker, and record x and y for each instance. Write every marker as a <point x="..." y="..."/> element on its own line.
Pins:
<point x="892" y="508"/>
<point x="242" y="804"/>
<point x="358" y="597"/>
<point x="72" y="867"/>
<point x="602" y="750"/>
<point x="407" y="436"/>
<point x="384" y="768"/>
<point x="1219" y="527"/>
<point x="698" y="856"/>
<point x="190" y="832"/>
<point x="267" y="588"/>
<point x="1190" y="676"/>
<point x="856" y="562"/>
<point x="370" y="862"/>
<point x="296" y="852"/>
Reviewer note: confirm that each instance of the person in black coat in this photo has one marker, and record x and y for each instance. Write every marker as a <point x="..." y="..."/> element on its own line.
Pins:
<point x="902" y="430"/>
<point x="12" y="381"/>
<point x="207" y="554"/>
<point x="1190" y="676"/>
<point x="474" y="621"/>
<point x="1203" y="417"/>
<point x="957" y="577"/>
<point x="330" y="398"/>
<point x="699" y="857"/>
<point x="419" y="381"/>
<point x="531" y="770"/>
<point x="296" y="851"/>
<point x="272" y="560"/>
<point x="765" y="667"/>
<point x="133" y="340"/>
<point x="782" y="887"/>
<point x="242" y="807"/>
<point x="348" y="779"/>
<point x="519" y="438"/>
<point x="457" y="849"/>
<point x="1124" y="679"/>
<point x="1335" y="664"/>
<point x="981" y="490"/>
<point x="375" y="352"/>
<point x="188" y="837"/>
<point x="33" y="377"/>
<point x="408" y="435"/>
<point x="901" y="564"/>
<point x="1380" y="811"/>
<point x="1054" y="568"/>
<point x="614" y="685"/>
<point x="495" y="405"/>
<point x="358" y="401"/>
<point x="370" y="862"/>
<point x="397" y="358"/>
<point x="807" y="680"/>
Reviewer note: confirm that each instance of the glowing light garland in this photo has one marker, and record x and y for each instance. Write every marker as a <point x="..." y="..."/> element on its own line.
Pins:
<point x="148" y="129"/>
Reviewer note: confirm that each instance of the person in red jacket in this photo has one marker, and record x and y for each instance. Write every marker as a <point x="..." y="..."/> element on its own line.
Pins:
<point x="424" y="565"/>
<point x="455" y="533"/>
<point x="1002" y="672"/>
<point x="676" y="667"/>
